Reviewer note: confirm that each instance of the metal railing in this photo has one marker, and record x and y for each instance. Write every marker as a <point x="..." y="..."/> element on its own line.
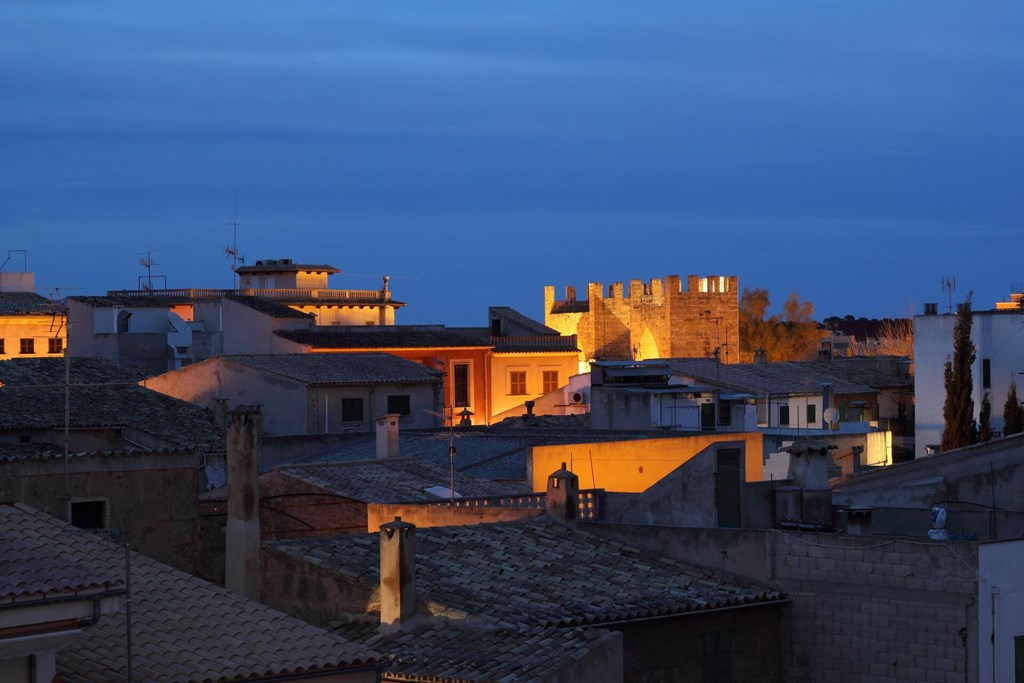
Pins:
<point x="546" y="341"/>
<point x="373" y="295"/>
<point x="590" y="503"/>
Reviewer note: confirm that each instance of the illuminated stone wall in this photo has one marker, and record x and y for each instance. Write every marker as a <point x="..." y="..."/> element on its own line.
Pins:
<point x="658" y="319"/>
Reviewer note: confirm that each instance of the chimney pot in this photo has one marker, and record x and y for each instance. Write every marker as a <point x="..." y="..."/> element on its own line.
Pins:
<point x="242" y="543"/>
<point x="397" y="571"/>
<point x="387" y="436"/>
<point x="563" y="495"/>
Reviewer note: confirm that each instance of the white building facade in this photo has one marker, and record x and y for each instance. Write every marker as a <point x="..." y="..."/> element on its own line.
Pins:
<point x="998" y="337"/>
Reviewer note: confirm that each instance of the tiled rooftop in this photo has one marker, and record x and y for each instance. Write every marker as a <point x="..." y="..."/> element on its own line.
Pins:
<point x="789" y="377"/>
<point x="183" y="629"/>
<point x="136" y="299"/>
<point x="28" y="303"/>
<point x="340" y="368"/>
<point x="269" y="307"/>
<point x="33" y="571"/>
<point x="498" y="454"/>
<point x="514" y="316"/>
<point x="395" y="480"/>
<point x="453" y="650"/>
<point x="399" y="336"/>
<point x="175" y="423"/>
<point x="536" y="573"/>
<point x="37" y="451"/>
<point x="50" y="371"/>
<point x="285" y="266"/>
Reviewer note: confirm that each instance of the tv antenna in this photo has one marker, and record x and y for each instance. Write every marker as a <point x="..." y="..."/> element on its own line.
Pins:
<point x="24" y="257"/>
<point x="949" y="284"/>
<point x="232" y="249"/>
<point x="147" y="262"/>
<point x="449" y="416"/>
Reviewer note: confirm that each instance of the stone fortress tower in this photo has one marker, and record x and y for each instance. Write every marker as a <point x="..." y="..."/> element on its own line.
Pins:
<point x="658" y="319"/>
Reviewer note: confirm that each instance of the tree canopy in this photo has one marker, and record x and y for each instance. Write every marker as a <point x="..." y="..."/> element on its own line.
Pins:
<point x="791" y="335"/>
<point x="958" y="411"/>
<point x="1013" y="416"/>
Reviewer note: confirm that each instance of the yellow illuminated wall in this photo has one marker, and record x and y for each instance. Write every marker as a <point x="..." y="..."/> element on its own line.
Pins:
<point x="534" y="365"/>
<point x="634" y="466"/>
<point x="39" y="328"/>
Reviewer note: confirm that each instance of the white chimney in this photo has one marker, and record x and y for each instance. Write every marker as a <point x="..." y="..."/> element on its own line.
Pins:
<point x="387" y="436"/>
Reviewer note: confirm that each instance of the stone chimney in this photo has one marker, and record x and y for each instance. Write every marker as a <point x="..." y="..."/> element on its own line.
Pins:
<point x="760" y="357"/>
<point x="806" y="501"/>
<point x="397" y="571"/>
<point x="242" y="547"/>
<point x="387" y="436"/>
<point x="563" y="495"/>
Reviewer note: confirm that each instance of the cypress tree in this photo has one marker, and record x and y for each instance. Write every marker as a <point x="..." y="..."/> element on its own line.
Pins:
<point x="1012" y="417"/>
<point x="985" y="420"/>
<point x="958" y="411"/>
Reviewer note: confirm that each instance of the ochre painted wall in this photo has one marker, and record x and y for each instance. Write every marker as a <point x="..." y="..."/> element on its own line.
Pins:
<point x="39" y="328"/>
<point x="634" y="466"/>
<point x="534" y="365"/>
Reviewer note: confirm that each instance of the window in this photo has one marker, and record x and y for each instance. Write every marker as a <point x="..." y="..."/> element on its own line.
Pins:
<point x="399" y="404"/>
<point x="725" y="413"/>
<point x="28" y="345"/>
<point x="88" y="514"/>
<point x="2" y="346"/>
<point x="783" y="415"/>
<point x="460" y="384"/>
<point x="517" y="382"/>
<point x="352" y="410"/>
<point x="986" y="373"/>
<point x="550" y="381"/>
<point x="812" y="414"/>
<point x="55" y="345"/>
<point x="717" y="657"/>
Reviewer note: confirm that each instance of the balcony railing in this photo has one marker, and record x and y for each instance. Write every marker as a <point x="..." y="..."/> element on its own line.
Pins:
<point x="547" y="341"/>
<point x="590" y="504"/>
<point x="190" y="294"/>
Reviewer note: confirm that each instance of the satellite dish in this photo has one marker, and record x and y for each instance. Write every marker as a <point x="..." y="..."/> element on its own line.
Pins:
<point x="831" y="416"/>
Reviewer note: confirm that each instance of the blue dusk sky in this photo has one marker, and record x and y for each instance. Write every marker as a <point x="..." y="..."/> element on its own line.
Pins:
<point x="854" y="152"/>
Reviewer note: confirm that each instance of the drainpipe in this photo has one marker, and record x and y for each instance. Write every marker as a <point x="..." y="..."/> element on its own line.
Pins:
<point x="995" y="613"/>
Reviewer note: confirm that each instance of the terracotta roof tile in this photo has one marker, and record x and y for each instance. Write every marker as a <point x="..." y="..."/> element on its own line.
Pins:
<point x="457" y="650"/>
<point x="176" y="423"/>
<point x="183" y="629"/>
<point x="789" y="377"/>
<point x="394" y="337"/>
<point x="30" y="570"/>
<point x="269" y="307"/>
<point x="490" y="453"/>
<point x="27" y="303"/>
<point x="396" y="480"/>
<point x="50" y="371"/>
<point x="340" y="368"/>
<point x="538" y="572"/>
<point x="285" y="266"/>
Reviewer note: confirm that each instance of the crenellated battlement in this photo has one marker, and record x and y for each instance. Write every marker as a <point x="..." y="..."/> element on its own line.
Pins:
<point x="649" y="319"/>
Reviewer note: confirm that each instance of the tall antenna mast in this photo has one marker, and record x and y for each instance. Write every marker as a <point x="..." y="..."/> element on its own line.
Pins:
<point x="146" y="281"/>
<point x="232" y="249"/>
<point x="949" y="284"/>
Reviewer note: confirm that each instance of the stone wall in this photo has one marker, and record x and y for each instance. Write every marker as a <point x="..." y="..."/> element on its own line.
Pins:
<point x="673" y="649"/>
<point x="865" y="609"/>
<point x="153" y="497"/>
<point x="658" y="319"/>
